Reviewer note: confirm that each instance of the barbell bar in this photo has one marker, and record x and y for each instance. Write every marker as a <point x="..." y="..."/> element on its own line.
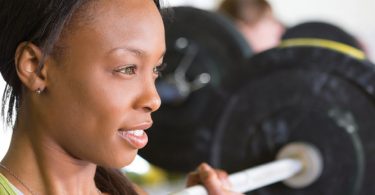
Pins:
<point x="297" y="164"/>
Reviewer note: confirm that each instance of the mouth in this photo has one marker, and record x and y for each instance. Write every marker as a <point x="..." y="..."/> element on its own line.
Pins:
<point x="137" y="133"/>
<point x="136" y="138"/>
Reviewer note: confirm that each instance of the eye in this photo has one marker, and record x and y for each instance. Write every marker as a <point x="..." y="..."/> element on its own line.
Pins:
<point x="128" y="70"/>
<point x="158" y="69"/>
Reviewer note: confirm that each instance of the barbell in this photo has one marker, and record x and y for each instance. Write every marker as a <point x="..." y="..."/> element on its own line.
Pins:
<point x="303" y="91"/>
<point x="308" y="90"/>
<point x="297" y="164"/>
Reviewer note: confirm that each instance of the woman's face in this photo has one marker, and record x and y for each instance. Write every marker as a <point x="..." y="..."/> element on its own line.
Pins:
<point x="100" y="92"/>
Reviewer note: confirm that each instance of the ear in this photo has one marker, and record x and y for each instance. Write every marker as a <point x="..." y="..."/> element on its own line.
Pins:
<point x="28" y="59"/>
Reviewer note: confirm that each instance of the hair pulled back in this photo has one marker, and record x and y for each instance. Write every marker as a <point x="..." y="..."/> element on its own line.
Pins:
<point x="36" y="21"/>
<point x="41" y="22"/>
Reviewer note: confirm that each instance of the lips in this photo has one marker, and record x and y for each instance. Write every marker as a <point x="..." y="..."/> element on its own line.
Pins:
<point x="136" y="137"/>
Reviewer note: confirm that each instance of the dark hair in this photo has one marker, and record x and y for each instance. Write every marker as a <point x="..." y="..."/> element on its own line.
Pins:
<point x="41" y="22"/>
<point x="248" y="11"/>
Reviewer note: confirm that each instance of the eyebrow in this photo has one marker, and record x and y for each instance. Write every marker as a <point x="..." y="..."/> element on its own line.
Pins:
<point x="137" y="52"/>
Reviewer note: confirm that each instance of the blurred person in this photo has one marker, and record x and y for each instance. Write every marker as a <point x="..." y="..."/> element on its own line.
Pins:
<point x="256" y="21"/>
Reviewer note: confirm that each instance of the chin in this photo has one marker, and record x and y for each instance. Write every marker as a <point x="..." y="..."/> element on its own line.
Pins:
<point x="123" y="160"/>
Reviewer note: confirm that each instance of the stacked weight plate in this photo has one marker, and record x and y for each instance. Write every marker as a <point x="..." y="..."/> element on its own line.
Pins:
<point x="307" y="90"/>
<point x="204" y="53"/>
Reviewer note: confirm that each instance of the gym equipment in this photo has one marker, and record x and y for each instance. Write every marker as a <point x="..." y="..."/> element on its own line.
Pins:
<point x="308" y="90"/>
<point x="204" y="50"/>
<point x="311" y="94"/>
<point x="298" y="165"/>
<point x="321" y="30"/>
<point x="303" y="91"/>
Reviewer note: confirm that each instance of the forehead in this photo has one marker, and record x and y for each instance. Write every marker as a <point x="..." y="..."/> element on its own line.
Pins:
<point x="118" y="23"/>
<point x="126" y="13"/>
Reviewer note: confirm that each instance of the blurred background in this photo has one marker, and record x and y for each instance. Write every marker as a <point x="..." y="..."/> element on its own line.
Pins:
<point x="354" y="16"/>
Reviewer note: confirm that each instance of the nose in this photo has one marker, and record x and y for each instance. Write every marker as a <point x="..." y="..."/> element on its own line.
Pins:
<point x="149" y="100"/>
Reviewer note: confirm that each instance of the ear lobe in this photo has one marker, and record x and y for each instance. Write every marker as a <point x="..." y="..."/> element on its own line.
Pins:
<point x="28" y="59"/>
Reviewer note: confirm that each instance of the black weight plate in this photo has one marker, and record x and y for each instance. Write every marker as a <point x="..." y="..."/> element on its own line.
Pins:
<point x="180" y="137"/>
<point x="306" y="94"/>
<point x="358" y="72"/>
<point x="321" y="30"/>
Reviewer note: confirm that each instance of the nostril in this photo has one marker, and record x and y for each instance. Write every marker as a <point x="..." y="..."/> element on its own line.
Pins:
<point x="147" y="109"/>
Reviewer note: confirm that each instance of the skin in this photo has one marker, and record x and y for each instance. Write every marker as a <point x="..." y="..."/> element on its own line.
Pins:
<point x="215" y="180"/>
<point x="264" y="34"/>
<point x="103" y="81"/>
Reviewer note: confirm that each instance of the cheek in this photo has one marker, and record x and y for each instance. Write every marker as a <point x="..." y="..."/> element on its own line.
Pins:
<point x="90" y="103"/>
<point x="86" y="112"/>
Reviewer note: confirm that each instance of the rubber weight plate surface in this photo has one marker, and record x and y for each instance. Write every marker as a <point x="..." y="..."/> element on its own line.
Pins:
<point x="303" y="94"/>
<point x="204" y="51"/>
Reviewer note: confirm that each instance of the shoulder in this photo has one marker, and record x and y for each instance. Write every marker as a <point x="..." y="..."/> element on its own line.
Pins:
<point x="5" y="186"/>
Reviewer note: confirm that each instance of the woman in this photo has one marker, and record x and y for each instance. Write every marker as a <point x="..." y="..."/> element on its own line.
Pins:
<point x="80" y="77"/>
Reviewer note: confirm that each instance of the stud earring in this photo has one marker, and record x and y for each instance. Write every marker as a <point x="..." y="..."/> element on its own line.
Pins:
<point x="39" y="91"/>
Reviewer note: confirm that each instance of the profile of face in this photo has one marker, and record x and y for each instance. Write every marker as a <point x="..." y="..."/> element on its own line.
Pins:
<point x="101" y="89"/>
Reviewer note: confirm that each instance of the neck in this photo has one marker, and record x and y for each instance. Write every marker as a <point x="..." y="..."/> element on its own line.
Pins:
<point x="45" y="167"/>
